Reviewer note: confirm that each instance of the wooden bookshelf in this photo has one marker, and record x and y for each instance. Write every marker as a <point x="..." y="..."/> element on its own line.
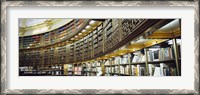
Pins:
<point x="53" y="37"/>
<point x="80" y="42"/>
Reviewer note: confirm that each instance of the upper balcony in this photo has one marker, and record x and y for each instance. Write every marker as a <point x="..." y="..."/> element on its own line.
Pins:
<point x="52" y="32"/>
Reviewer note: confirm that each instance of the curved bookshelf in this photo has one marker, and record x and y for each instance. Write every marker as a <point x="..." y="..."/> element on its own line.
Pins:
<point x="60" y="35"/>
<point x="107" y="41"/>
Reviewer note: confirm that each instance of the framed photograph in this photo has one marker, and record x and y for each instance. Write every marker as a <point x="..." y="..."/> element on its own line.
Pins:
<point x="99" y="47"/>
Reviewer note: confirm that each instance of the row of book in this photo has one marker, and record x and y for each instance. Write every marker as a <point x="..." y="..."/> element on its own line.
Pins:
<point x="117" y="70"/>
<point x="160" y="54"/>
<point x="153" y="55"/>
<point x="32" y="70"/>
<point x="84" y="69"/>
<point x="56" y="70"/>
<point x="78" y="70"/>
<point x="44" y="56"/>
<point x="93" y="42"/>
<point x="88" y="44"/>
<point x="156" y="54"/>
<point x="140" y="70"/>
<point x="162" y="70"/>
<point x="30" y="57"/>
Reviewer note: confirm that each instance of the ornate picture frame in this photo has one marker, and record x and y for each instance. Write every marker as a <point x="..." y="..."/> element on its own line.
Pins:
<point x="5" y="4"/>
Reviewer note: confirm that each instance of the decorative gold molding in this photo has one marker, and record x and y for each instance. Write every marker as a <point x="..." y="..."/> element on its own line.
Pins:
<point x="166" y="35"/>
<point x="22" y="31"/>
<point x="47" y="23"/>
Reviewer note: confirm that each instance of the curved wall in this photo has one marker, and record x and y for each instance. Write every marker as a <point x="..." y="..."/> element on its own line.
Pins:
<point x="110" y="35"/>
<point x="43" y="27"/>
<point x="58" y="35"/>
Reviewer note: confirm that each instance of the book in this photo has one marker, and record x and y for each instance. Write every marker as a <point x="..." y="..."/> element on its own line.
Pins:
<point x="142" y="71"/>
<point x="166" y="71"/>
<point x="107" y="62"/>
<point x="112" y="69"/>
<point x="150" y="55"/>
<point x="122" y="70"/>
<point x="116" y="69"/>
<point x="162" y="69"/>
<point x="156" y="55"/>
<point x="135" y="59"/>
<point x="137" y="72"/>
<point x="157" y="71"/>
<point x="162" y="66"/>
<point x="142" y="58"/>
<point x="127" y="70"/>
<point x="133" y="69"/>
<point x="99" y="71"/>
<point x="138" y="58"/>
<point x="125" y="59"/>
<point x="151" y="69"/>
<point x="108" y="28"/>
<point x="107" y="70"/>
<point x="118" y="60"/>
<point x="173" y="72"/>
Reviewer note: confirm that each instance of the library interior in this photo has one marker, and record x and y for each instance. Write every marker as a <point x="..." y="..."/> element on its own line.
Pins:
<point x="99" y="47"/>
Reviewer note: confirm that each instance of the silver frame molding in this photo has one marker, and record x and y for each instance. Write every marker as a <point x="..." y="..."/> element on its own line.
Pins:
<point x="5" y="4"/>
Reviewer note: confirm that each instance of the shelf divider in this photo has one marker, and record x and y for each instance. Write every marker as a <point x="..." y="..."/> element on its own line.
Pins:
<point x="146" y="61"/>
<point x="176" y="55"/>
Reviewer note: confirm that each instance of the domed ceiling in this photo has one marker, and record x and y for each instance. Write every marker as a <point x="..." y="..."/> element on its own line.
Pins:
<point x="33" y="26"/>
<point x="31" y="22"/>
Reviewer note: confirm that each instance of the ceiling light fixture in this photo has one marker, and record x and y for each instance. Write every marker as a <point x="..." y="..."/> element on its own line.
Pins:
<point x="88" y="27"/>
<point x="84" y="30"/>
<point x="79" y="33"/>
<point x="92" y="22"/>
